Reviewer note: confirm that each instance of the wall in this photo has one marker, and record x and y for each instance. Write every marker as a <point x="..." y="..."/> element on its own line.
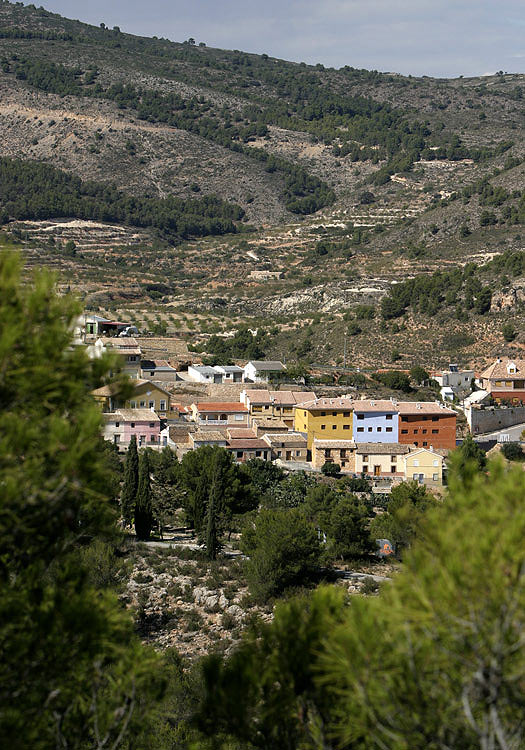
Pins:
<point x="372" y="428"/>
<point x="384" y="461"/>
<point x="416" y="429"/>
<point x="425" y="465"/>
<point x="328" y="425"/>
<point x="492" y="419"/>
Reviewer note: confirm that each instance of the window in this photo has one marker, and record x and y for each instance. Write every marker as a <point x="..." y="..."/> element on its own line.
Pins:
<point x="297" y="453"/>
<point x="327" y="453"/>
<point x="435" y="432"/>
<point x="279" y="454"/>
<point x="343" y="453"/>
<point x="404" y="432"/>
<point x="152" y="373"/>
<point x="388" y="416"/>
<point x="435" y="462"/>
<point x="393" y="459"/>
<point x="346" y="414"/>
<point x="239" y="417"/>
<point x="360" y="416"/>
<point x="334" y="427"/>
<point x="151" y="404"/>
<point x="415" y="477"/>
<point x="117" y="424"/>
<point x="416" y="431"/>
<point x="393" y="469"/>
<point x="323" y="414"/>
<point x="365" y="458"/>
<point x="239" y="454"/>
<point x="152" y="424"/>
<point x="116" y="439"/>
<point x="416" y="462"/>
<point x="162" y="406"/>
<point x="346" y="427"/>
<point x="365" y="469"/>
<point x="133" y="424"/>
<point x="323" y="427"/>
<point x="404" y="419"/>
<point x="435" y="477"/>
<point x="388" y="429"/>
<point x="379" y="429"/>
<point x="142" y="404"/>
<point x="369" y="429"/>
<point x="343" y="463"/>
<point x="133" y="404"/>
<point x="142" y="439"/>
<point x="424" y="432"/>
<point x="360" y="429"/>
<point x="153" y="439"/>
<point x="266" y="408"/>
<point x="334" y="414"/>
<point x="257" y="454"/>
<point x="435" y="419"/>
<point x="416" y="443"/>
<point x="425" y="443"/>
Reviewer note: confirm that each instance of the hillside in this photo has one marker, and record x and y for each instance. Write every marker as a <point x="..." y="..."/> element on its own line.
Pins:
<point x="182" y="169"/>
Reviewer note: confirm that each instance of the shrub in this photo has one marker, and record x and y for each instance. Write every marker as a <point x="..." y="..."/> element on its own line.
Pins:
<point x="512" y="451"/>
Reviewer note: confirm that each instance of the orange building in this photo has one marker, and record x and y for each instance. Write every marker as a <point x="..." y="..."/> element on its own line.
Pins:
<point x="427" y="425"/>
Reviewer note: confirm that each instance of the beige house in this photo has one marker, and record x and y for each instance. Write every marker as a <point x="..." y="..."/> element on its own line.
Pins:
<point x="424" y="466"/>
<point x="276" y="405"/>
<point x="220" y="413"/>
<point x="145" y="395"/>
<point x="340" y="452"/>
<point x="209" y="437"/>
<point x="247" y="449"/>
<point x="381" y="459"/>
<point x="287" y="446"/>
<point x="127" y="349"/>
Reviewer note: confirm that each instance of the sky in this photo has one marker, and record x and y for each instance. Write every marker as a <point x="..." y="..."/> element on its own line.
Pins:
<point x="443" y="38"/>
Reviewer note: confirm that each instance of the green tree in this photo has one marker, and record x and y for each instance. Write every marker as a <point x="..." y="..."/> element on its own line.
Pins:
<point x="212" y="539"/>
<point x="347" y="529"/>
<point x="406" y="509"/>
<point x="143" y="504"/>
<point x="131" y="482"/>
<point x="284" y="551"/>
<point x="468" y="459"/>
<point x="508" y="331"/>
<point x="419" y="375"/>
<point x="484" y="301"/>
<point x="396" y="380"/>
<point x="512" y="451"/>
<point x="330" y="469"/>
<point x="71" y="667"/>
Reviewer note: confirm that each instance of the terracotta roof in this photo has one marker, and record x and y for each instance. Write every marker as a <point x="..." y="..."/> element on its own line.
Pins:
<point x="334" y="443"/>
<point x="240" y="432"/>
<point x="224" y="406"/>
<point x="424" y="407"/>
<point x="376" y="405"/>
<point x="281" y="398"/>
<point x="498" y="370"/>
<point x="383" y="449"/>
<point x="283" y="439"/>
<point x="334" y="404"/>
<point x="131" y="415"/>
<point x="247" y="444"/>
<point x="213" y="436"/>
<point x="267" y="423"/>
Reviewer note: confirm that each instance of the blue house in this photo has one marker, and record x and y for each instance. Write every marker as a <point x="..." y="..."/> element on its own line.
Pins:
<point x="375" y="422"/>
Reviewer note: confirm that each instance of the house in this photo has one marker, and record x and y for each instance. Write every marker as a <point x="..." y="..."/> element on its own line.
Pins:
<point x="238" y="433"/>
<point x="145" y="395"/>
<point x="375" y="421"/>
<point x="287" y="446"/>
<point x="230" y="373"/>
<point x="209" y="437"/>
<point x="454" y="382"/>
<point x="246" y="449"/>
<point x="258" y="371"/>
<point x="505" y="380"/>
<point x="220" y="413"/>
<point x="204" y="374"/>
<point x="425" y="466"/>
<point x="325" y="419"/>
<point x="267" y="426"/>
<point x="277" y="405"/>
<point x="381" y="459"/>
<point x="127" y="349"/>
<point x="93" y="326"/>
<point x="157" y="369"/>
<point x="340" y="452"/>
<point x="122" y="424"/>
<point x="426" y="424"/>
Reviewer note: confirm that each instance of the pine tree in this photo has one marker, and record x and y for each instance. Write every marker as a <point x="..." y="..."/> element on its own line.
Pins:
<point x="212" y="531"/>
<point x="143" y="505"/>
<point x="131" y="481"/>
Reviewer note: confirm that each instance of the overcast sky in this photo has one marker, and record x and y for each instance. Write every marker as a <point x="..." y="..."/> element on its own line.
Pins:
<point x="422" y="37"/>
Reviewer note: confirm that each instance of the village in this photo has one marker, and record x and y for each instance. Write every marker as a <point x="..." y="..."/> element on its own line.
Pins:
<point x="259" y="414"/>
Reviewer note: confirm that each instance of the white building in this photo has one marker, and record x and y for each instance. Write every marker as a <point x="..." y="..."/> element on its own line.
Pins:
<point x="258" y="371"/>
<point x="204" y="374"/>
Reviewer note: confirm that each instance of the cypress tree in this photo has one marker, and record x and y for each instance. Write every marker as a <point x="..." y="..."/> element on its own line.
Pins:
<point x="212" y="531"/>
<point x="144" y="505"/>
<point x="131" y="482"/>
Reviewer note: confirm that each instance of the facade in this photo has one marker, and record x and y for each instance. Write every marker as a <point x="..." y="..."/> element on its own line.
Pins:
<point x="258" y="371"/>
<point x="325" y="419"/>
<point x="157" y="369"/>
<point x="424" y="466"/>
<point x="121" y="425"/>
<point x="287" y="446"/>
<point x="381" y="459"/>
<point x="427" y="425"/>
<point x="127" y="349"/>
<point x="230" y="373"/>
<point x="247" y="449"/>
<point x="375" y="422"/>
<point x="276" y="405"/>
<point x="505" y="380"/>
<point x="204" y="374"/>
<point x="146" y="395"/>
<point x="220" y="413"/>
<point x="266" y="425"/>
<point x="340" y="452"/>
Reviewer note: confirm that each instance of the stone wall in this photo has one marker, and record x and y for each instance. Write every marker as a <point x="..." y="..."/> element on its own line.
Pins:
<point x="492" y="418"/>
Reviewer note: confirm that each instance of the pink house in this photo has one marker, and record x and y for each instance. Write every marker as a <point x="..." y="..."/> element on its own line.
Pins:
<point x="120" y="425"/>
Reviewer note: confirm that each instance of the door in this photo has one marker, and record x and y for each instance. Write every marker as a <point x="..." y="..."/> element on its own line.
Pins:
<point x="288" y="455"/>
<point x="377" y="471"/>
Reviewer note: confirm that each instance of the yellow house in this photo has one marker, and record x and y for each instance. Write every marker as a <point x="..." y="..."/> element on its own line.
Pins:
<point x="145" y="395"/>
<point x="324" y="419"/>
<point x="424" y="466"/>
<point x="276" y="405"/>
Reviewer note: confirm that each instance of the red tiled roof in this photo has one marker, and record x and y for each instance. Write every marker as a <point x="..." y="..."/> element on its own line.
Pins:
<point x="247" y="444"/>
<point x="224" y="406"/>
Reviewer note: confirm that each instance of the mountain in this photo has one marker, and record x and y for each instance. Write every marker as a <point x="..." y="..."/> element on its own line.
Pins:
<point x="175" y="170"/>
